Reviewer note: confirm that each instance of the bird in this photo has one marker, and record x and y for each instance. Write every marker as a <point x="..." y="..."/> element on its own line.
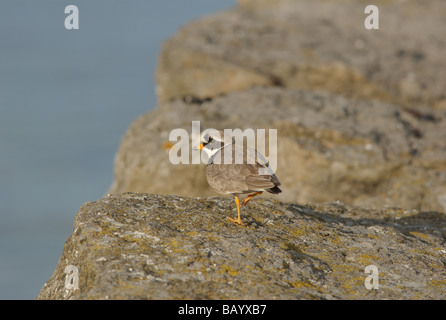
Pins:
<point x="246" y="173"/>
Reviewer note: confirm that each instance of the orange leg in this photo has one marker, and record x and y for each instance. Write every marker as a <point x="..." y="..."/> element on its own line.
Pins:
<point x="238" y="220"/>
<point x="250" y="197"/>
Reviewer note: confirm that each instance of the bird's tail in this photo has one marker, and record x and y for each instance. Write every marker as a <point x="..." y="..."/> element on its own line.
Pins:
<point x="274" y="190"/>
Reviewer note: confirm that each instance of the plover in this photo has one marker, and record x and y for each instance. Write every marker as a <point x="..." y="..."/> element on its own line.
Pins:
<point x="247" y="173"/>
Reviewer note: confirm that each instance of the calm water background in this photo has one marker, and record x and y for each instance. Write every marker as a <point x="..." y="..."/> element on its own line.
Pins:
<point x="66" y="99"/>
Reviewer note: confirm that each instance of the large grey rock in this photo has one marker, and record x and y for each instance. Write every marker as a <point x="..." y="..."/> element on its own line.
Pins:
<point x="360" y="117"/>
<point x="309" y="44"/>
<point x="360" y="113"/>
<point x="139" y="246"/>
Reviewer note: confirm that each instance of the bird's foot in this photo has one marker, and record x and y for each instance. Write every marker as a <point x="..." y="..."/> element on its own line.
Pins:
<point x="238" y="221"/>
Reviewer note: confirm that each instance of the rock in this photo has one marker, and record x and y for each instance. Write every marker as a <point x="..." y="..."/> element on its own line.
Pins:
<point x="329" y="148"/>
<point x="360" y="113"/>
<point x="309" y="44"/>
<point x="360" y="117"/>
<point x="140" y="246"/>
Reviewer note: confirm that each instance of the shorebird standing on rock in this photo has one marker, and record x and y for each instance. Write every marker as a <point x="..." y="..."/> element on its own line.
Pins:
<point x="247" y="171"/>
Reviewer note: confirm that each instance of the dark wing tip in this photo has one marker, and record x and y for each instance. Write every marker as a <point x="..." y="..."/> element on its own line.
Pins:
<point x="274" y="190"/>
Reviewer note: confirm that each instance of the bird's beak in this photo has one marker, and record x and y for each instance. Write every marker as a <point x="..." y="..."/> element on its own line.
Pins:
<point x="201" y="146"/>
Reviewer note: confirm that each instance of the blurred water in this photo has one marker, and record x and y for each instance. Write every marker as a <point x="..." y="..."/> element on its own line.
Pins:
<point x="66" y="99"/>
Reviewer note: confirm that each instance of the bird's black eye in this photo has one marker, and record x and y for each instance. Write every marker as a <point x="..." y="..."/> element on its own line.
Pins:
<point x="207" y="142"/>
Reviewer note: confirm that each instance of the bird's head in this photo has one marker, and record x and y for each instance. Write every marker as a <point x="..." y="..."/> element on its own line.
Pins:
<point x="212" y="141"/>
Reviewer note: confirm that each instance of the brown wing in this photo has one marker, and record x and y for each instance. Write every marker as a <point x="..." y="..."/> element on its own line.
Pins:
<point x="241" y="178"/>
<point x="228" y="178"/>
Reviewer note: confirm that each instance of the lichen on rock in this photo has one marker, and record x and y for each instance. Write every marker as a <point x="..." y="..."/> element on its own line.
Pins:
<point x="133" y="246"/>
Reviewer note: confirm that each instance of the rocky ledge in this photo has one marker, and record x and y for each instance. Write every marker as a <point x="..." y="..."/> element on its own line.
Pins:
<point x="141" y="246"/>
<point x="360" y="117"/>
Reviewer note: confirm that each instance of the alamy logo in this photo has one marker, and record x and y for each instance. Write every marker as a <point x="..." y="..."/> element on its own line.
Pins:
<point x="372" y="281"/>
<point x="372" y="20"/>
<point x="72" y="20"/>
<point x="183" y="152"/>
<point x="72" y="277"/>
